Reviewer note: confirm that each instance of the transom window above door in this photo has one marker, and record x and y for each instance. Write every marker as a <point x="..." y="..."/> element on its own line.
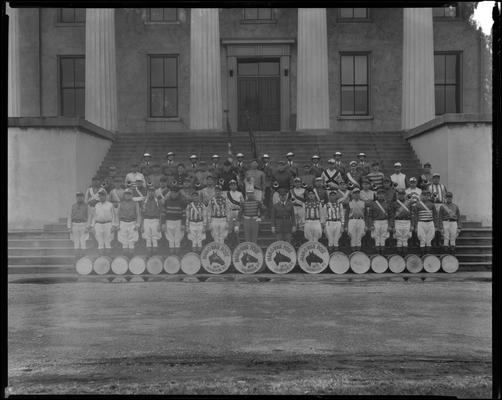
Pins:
<point x="258" y="15"/>
<point x="258" y="68"/>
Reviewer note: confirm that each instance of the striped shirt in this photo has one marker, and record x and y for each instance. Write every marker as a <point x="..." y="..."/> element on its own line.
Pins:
<point x="376" y="178"/>
<point x="334" y="212"/>
<point x="218" y="207"/>
<point x="151" y="208"/>
<point x="251" y="208"/>
<point x="195" y="211"/>
<point x="440" y="191"/>
<point x="313" y="210"/>
<point x="422" y="214"/>
<point x="173" y="208"/>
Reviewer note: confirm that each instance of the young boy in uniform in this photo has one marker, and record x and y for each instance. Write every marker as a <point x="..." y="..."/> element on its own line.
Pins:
<point x="449" y="217"/>
<point x="377" y="220"/>
<point x="129" y="217"/>
<point x="400" y="221"/>
<point x="196" y="220"/>
<point x="335" y="220"/>
<point x="172" y="215"/>
<point x="425" y="221"/>
<point x="78" y="224"/>
<point x="251" y="213"/>
<point x="103" y="219"/>
<point x="297" y="196"/>
<point x="234" y="205"/>
<point x="283" y="217"/>
<point x="151" y="213"/>
<point x="314" y="217"/>
<point x="355" y="214"/>
<point x="218" y="215"/>
<point x="375" y="176"/>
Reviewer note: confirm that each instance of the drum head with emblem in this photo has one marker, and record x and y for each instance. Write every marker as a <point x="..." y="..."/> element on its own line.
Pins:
<point x="379" y="264"/>
<point x="172" y="264"/>
<point x="449" y="263"/>
<point x="339" y="262"/>
<point x="280" y="257"/>
<point x="137" y="265"/>
<point x="431" y="263"/>
<point x="120" y="265"/>
<point x="102" y="265"/>
<point x="84" y="266"/>
<point x="216" y="258"/>
<point x="413" y="263"/>
<point x="313" y="257"/>
<point x="247" y="258"/>
<point x="359" y="262"/>
<point x="154" y="265"/>
<point x="190" y="263"/>
<point x="397" y="263"/>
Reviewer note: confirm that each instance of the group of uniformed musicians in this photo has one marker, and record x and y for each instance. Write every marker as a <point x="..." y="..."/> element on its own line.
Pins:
<point x="172" y="199"/>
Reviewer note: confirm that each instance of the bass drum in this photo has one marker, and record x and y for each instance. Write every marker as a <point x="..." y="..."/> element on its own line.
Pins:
<point x="339" y="263"/>
<point x="413" y="263"/>
<point x="190" y="263"/>
<point x="449" y="263"/>
<point x="155" y="265"/>
<point x="83" y="265"/>
<point x="102" y="265"/>
<point x="397" y="264"/>
<point x="379" y="264"/>
<point x="359" y="262"/>
<point x="431" y="263"/>
<point x="120" y="265"/>
<point x="137" y="265"/>
<point x="172" y="264"/>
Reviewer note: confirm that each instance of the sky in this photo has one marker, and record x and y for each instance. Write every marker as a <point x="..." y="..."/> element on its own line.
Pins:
<point x="483" y="16"/>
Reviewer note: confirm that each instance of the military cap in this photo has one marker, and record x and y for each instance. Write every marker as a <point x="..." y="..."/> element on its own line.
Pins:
<point x="171" y="153"/>
<point x="331" y="161"/>
<point x="265" y="156"/>
<point x="240" y="155"/>
<point x="361" y="155"/>
<point x="427" y="164"/>
<point x="215" y="156"/>
<point x="435" y="174"/>
<point x="146" y="155"/>
<point x="283" y="191"/>
<point x="193" y="157"/>
<point x="397" y="164"/>
<point x="79" y="194"/>
<point x="353" y="163"/>
<point x="337" y="153"/>
<point x="315" y="156"/>
<point x="356" y="189"/>
<point x="290" y="154"/>
<point x="449" y="194"/>
<point x="232" y="181"/>
<point x="413" y="179"/>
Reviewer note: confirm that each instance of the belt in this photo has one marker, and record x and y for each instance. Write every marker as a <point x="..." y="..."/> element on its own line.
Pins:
<point x="78" y="221"/>
<point x="148" y="217"/>
<point x="429" y="220"/>
<point x="103" y="222"/>
<point x="450" y="220"/>
<point x="333" y="220"/>
<point x="312" y="219"/>
<point x="197" y="220"/>
<point x="254" y="216"/>
<point x="402" y="219"/>
<point x="219" y="217"/>
<point x="356" y="218"/>
<point x="298" y="205"/>
<point x="126" y="220"/>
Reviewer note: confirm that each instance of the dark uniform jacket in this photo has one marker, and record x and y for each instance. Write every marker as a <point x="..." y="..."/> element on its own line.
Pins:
<point x="283" y="217"/>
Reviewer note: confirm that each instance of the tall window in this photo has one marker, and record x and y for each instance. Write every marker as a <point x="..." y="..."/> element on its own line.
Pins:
<point x="163" y="86"/>
<point x="71" y="15"/>
<point x="447" y="82"/>
<point x="353" y="13"/>
<point x="263" y="14"/>
<point x="354" y="84"/>
<point x="445" y="12"/>
<point x="163" y="14"/>
<point x="72" y="86"/>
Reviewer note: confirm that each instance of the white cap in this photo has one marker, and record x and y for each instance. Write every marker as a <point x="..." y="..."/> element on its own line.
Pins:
<point x="361" y="154"/>
<point x="315" y="156"/>
<point x="146" y="155"/>
<point x="193" y="156"/>
<point x="397" y="164"/>
<point x="290" y="154"/>
<point x="170" y="153"/>
<point x="215" y="156"/>
<point x="338" y="153"/>
<point x="240" y="155"/>
<point x="331" y="160"/>
<point x="265" y="156"/>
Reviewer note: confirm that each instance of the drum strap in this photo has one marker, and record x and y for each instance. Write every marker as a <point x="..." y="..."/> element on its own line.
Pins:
<point x="424" y="206"/>
<point x="232" y="200"/>
<point x="403" y="206"/>
<point x="380" y="206"/>
<point x="335" y="177"/>
<point x="317" y="195"/>
<point x="296" y="198"/>
<point x="354" y="182"/>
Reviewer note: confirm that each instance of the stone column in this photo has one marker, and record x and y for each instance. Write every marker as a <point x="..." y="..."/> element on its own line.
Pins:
<point x="312" y="100"/>
<point x="14" y="88"/>
<point x="418" y="67"/>
<point x="100" y="69"/>
<point x="205" y="72"/>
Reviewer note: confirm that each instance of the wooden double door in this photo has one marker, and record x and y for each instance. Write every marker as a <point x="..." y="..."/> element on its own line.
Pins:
<point x="258" y="95"/>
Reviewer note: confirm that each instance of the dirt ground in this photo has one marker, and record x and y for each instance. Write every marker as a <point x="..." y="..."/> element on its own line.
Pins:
<point x="293" y="335"/>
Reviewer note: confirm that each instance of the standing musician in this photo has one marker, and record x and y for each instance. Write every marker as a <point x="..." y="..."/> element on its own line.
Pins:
<point x="227" y="174"/>
<point x="162" y="191"/>
<point x="320" y="191"/>
<point x="354" y="175"/>
<point x="239" y="169"/>
<point x="398" y="177"/>
<point x="138" y="192"/>
<point x="91" y="194"/>
<point x="426" y="178"/>
<point x="251" y="212"/>
<point x="390" y="192"/>
<point x="363" y="166"/>
<point x="377" y="216"/>
<point x="413" y="190"/>
<point x="235" y="199"/>
<point x="335" y="220"/>
<point x="266" y="167"/>
<point x="134" y="175"/>
<point x="129" y="217"/>
<point x="344" y="193"/>
<point x="209" y="191"/>
<point x="400" y="221"/>
<point x="438" y="197"/>
<point x="145" y="164"/>
<point x="314" y="217"/>
<point x="172" y="216"/>
<point x="117" y="193"/>
<point x="366" y="193"/>
<point x="283" y="217"/>
<point x="169" y="166"/>
<point x="331" y="174"/>
<point x="307" y="176"/>
<point x="196" y="221"/>
<point x="375" y="176"/>
<point x="283" y="175"/>
<point x="292" y="166"/>
<point x="339" y="164"/>
<point x="258" y="177"/>
<point x="215" y="167"/>
<point x="78" y="224"/>
<point x="316" y="167"/>
<point x="218" y="215"/>
<point x="103" y="218"/>
<point x="449" y="216"/>
<point x="355" y="214"/>
<point x="297" y="196"/>
<point x="194" y="164"/>
<point x="425" y="221"/>
<point x="151" y="213"/>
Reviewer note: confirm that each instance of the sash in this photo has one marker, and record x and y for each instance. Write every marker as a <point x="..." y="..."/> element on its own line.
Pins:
<point x="402" y="205"/>
<point x="296" y="197"/>
<point x="316" y="209"/>
<point x="354" y="182"/>
<point x="333" y="178"/>
<point x="451" y="213"/>
<point x="317" y="195"/>
<point x="381" y="208"/>
<point x="335" y="214"/>
<point x="424" y="206"/>
<point x="232" y="200"/>
<point x="195" y="210"/>
<point x="146" y="200"/>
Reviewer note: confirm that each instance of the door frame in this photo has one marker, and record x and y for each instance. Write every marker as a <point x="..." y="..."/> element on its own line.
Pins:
<point x="256" y="48"/>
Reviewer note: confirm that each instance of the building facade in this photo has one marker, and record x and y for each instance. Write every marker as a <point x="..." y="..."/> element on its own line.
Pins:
<point x="282" y="69"/>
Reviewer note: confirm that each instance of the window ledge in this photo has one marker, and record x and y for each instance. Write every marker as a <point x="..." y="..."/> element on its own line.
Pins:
<point x="258" y="21"/>
<point x="354" y="20"/>
<point x="450" y="19"/>
<point x="69" y="24"/>
<point x="162" y="22"/>
<point x="163" y="119"/>
<point x="360" y="117"/>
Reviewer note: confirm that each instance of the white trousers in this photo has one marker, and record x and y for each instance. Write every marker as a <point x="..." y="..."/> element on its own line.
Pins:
<point x="219" y="229"/>
<point x="151" y="231"/>
<point x="174" y="233"/>
<point x="103" y="234"/>
<point x="313" y="230"/>
<point x="356" y="231"/>
<point x="78" y="235"/>
<point x="127" y="235"/>
<point x="450" y="232"/>
<point x="402" y="232"/>
<point x="425" y="233"/>
<point x="333" y="231"/>
<point x="196" y="233"/>
<point x="231" y="223"/>
<point x="380" y="233"/>
<point x="299" y="216"/>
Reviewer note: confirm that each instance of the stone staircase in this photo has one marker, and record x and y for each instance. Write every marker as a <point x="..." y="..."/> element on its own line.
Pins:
<point x="50" y="250"/>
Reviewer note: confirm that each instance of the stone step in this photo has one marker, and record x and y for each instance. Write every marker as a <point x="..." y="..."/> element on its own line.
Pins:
<point x="42" y="269"/>
<point x="474" y="241"/>
<point x="38" y="260"/>
<point x="40" y="243"/>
